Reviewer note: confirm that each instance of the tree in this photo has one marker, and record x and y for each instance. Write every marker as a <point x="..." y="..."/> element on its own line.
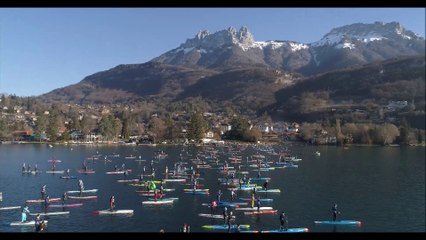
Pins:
<point x="52" y="128"/>
<point x="88" y="124"/>
<point x="157" y="128"/>
<point x="118" y="126"/>
<point x="106" y="127"/>
<point x="339" y="135"/>
<point x="404" y="130"/>
<point x="197" y="127"/>
<point x="252" y="135"/>
<point x="238" y="127"/>
<point x="41" y="124"/>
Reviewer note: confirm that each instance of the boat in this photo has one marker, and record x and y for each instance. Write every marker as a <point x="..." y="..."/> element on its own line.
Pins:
<point x="65" y="205"/>
<point x="340" y="222"/>
<point x="84" y="191"/>
<point x="225" y="226"/>
<point x="82" y="198"/>
<point x="109" y="212"/>
<point x="50" y="213"/>
<point x="9" y="208"/>
<point x="261" y="212"/>
<point x="27" y="223"/>
<point x="159" y="201"/>
<point x="317" y="153"/>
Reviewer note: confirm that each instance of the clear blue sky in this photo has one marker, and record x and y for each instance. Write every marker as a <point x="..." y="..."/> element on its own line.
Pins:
<point x="42" y="49"/>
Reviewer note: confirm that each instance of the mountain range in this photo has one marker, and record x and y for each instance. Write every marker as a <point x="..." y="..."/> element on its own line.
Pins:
<point x="231" y="66"/>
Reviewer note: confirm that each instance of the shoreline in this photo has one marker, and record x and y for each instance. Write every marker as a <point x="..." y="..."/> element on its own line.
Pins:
<point x="50" y="144"/>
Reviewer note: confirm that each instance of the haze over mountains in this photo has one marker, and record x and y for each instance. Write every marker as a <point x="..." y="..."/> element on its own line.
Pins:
<point x="231" y="67"/>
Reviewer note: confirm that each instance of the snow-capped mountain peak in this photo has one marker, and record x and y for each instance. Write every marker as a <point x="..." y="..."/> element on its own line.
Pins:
<point x="365" y="33"/>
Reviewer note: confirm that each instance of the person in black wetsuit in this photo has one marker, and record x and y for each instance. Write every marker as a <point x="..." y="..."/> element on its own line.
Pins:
<point x="334" y="212"/>
<point x="258" y="203"/>
<point x="111" y="203"/>
<point x="265" y="185"/>
<point x="283" y="221"/>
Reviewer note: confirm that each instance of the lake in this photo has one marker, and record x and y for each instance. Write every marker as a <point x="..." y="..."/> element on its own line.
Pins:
<point x="383" y="187"/>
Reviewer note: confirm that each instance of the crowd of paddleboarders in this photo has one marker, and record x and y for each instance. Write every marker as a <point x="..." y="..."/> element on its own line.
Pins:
<point x="191" y="176"/>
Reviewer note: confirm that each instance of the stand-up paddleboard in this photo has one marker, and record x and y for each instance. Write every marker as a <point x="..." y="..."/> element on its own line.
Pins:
<point x="261" y="199"/>
<point x="109" y="212"/>
<point x="55" y="172"/>
<point x="31" y="172"/>
<point x="28" y="223"/>
<point x="290" y="230"/>
<point x="215" y="216"/>
<point x="9" y="208"/>
<point x="84" y="191"/>
<point x="151" y="194"/>
<point x="254" y="209"/>
<point x="83" y="198"/>
<point x="172" y="198"/>
<point x="175" y="180"/>
<point x="225" y="226"/>
<point x="68" y="177"/>
<point x="54" y="160"/>
<point x="227" y="204"/>
<point x="159" y="201"/>
<point x="260" y="179"/>
<point x="269" y="191"/>
<point x="341" y="222"/>
<point x="261" y="212"/>
<point x="198" y="193"/>
<point x="65" y="205"/>
<point x="128" y="180"/>
<point x="50" y="213"/>
<point x="86" y="171"/>
<point x="42" y="200"/>
<point x="195" y="190"/>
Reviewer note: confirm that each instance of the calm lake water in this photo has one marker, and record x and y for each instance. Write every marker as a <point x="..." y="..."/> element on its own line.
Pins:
<point x="384" y="187"/>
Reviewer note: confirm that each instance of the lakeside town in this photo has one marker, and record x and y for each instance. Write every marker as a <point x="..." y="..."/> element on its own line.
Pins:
<point x="27" y="120"/>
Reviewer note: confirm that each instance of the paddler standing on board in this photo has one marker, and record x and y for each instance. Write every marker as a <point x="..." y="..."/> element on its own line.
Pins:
<point x="23" y="167"/>
<point x="252" y="200"/>
<point x="335" y="212"/>
<point x="64" y="197"/>
<point x="35" y="168"/>
<point x="81" y="186"/>
<point x="43" y="191"/>
<point x="46" y="203"/>
<point x="111" y="204"/>
<point x="283" y="221"/>
<point x="25" y="211"/>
